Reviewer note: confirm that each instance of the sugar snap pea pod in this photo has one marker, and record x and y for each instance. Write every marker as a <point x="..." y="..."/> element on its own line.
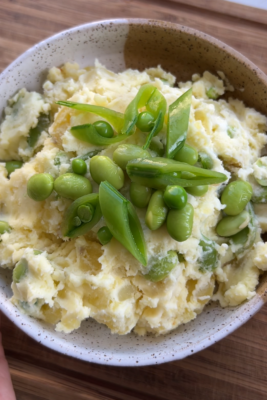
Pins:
<point x="209" y="258"/>
<point x="72" y="186"/>
<point x="4" y="227"/>
<point x="122" y="221"/>
<point x="245" y="238"/>
<point x="180" y="223"/>
<point x="89" y="134"/>
<point x="161" y="267"/>
<point x="160" y="172"/>
<point x="140" y="195"/>
<point x="35" y="133"/>
<point x="20" y="270"/>
<point x="69" y="227"/>
<point x="11" y="166"/>
<point x="156" y="128"/>
<point x="126" y="152"/>
<point x="102" y="168"/>
<point x="187" y="154"/>
<point x="131" y="112"/>
<point x="236" y="196"/>
<point x="104" y="129"/>
<point x="178" y="120"/>
<point x="157" y="106"/>
<point x="205" y="160"/>
<point x="156" y="211"/>
<point x="229" y="226"/>
<point x="116" y="119"/>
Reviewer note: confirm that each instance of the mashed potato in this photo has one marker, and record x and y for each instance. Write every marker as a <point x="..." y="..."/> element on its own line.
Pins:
<point x="68" y="281"/>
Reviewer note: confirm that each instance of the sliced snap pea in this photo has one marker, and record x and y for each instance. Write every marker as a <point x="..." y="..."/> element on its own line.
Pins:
<point x="122" y="221"/>
<point x="161" y="267"/>
<point x="89" y="134"/>
<point x="20" y="270"/>
<point x="156" y="211"/>
<point x="236" y="196"/>
<point x="11" y="166"/>
<point x="175" y="197"/>
<point x="158" y="172"/>
<point x="197" y="191"/>
<point x="35" y="133"/>
<point x="157" y="146"/>
<point x="70" y="220"/>
<point x="209" y="258"/>
<point x="127" y="152"/>
<point x="205" y="160"/>
<point x="4" y="227"/>
<point x="79" y="166"/>
<point x="229" y="226"/>
<point x="139" y="195"/>
<point x="72" y="186"/>
<point x="104" y="235"/>
<point x="40" y="186"/>
<point x="157" y="106"/>
<point x="145" y="121"/>
<point x="102" y="168"/>
<point x="180" y="223"/>
<point x="187" y="154"/>
<point x="104" y="129"/>
<point x="178" y="120"/>
<point x="212" y="94"/>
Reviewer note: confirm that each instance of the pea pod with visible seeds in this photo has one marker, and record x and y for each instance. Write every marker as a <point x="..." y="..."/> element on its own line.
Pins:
<point x="160" y="268"/>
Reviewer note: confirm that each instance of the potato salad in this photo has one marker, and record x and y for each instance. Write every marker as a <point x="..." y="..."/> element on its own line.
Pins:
<point x="131" y="198"/>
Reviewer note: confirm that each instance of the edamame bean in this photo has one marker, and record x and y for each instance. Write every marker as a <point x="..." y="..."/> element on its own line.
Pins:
<point x="145" y="121"/>
<point x="79" y="166"/>
<point x="241" y="237"/>
<point x="86" y="212"/>
<point x="11" y="166"/>
<point x="175" y="197"/>
<point x="40" y="186"/>
<point x="104" y="129"/>
<point x="104" y="235"/>
<point x="180" y="223"/>
<point x="72" y="186"/>
<point x="126" y="152"/>
<point x="197" y="191"/>
<point x="160" y="269"/>
<point x="229" y="226"/>
<point x="236" y="196"/>
<point x="20" y="270"/>
<point x="140" y="195"/>
<point x="102" y="168"/>
<point x="205" y="160"/>
<point x="187" y="154"/>
<point x="156" y="211"/>
<point x="4" y="227"/>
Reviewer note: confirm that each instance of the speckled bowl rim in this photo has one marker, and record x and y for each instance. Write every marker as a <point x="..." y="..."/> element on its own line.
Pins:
<point x="256" y="302"/>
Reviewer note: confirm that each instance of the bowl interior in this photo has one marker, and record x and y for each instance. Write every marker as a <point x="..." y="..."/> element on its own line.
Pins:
<point x="135" y="44"/>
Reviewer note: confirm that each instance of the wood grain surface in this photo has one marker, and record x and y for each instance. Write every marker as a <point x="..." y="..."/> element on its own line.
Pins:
<point x="233" y="369"/>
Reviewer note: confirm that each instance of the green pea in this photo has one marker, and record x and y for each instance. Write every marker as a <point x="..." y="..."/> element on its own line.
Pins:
<point x="104" y="129"/>
<point x="40" y="186"/>
<point x="79" y="166"/>
<point x="102" y="168"/>
<point x="157" y="146"/>
<point x="197" y="191"/>
<point x="187" y="154"/>
<point x="139" y="194"/>
<point x="76" y="221"/>
<point x="160" y="268"/>
<point x="127" y="152"/>
<point x="175" y="197"/>
<point x="229" y="226"/>
<point x="20" y="270"/>
<point x="180" y="223"/>
<point x="4" y="227"/>
<point x="104" y="235"/>
<point x="11" y="166"/>
<point x="205" y="160"/>
<point x="236" y="196"/>
<point x="145" y="121"/>
<point x="72" y="186"/>
<point x="156" y="211"/>
<point x="86" y="212"/>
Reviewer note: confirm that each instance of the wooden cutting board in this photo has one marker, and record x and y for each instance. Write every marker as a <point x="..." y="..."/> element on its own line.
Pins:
<point x="233" y="369"/>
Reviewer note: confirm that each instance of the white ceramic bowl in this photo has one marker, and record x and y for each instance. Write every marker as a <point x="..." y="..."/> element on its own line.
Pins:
<point x="119" y="44"/>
